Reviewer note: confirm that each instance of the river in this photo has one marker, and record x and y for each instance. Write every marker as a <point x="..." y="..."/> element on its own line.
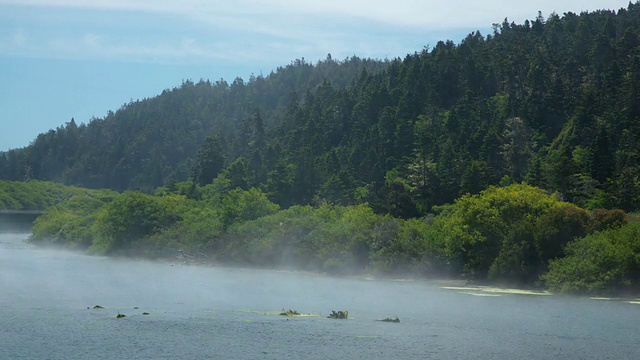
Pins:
<point x="47" y="300"/>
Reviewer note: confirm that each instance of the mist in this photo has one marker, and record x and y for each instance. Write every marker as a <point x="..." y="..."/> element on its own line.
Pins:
<point x="171" y="310"/>
<point x="60" y="278"/>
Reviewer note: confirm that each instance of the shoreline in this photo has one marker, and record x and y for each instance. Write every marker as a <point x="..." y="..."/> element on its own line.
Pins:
<point x="460" y="284"/>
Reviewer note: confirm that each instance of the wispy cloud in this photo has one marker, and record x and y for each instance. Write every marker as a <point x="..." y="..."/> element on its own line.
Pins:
<point x="155" y="36"/>
<point x="422" y="13"/>
<point x="245" y="30"/>
<point x="92" y="46"/>
<point x="20" y="37"/>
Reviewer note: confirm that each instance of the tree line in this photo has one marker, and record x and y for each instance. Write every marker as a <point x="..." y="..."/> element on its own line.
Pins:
<point x="152" y="142"/>
<point x="516" y="234"/>
<point x="553" y="102"/>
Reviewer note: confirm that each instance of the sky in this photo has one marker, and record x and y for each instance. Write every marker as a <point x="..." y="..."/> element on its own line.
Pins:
<point x="63" y="59"/>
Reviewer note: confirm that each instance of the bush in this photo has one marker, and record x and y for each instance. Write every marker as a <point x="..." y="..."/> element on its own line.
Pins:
<point x="35" y="195"/>
<point x="603" y="262"/>
<point x="557" y="227"/>
<point x="608" y="219"/>
<point x="243" y="205"/>
<point x="70" y="222"/>
<point x="199" y="232"/>
<point x="479" y="225"/>
<point x="509" y="233"/>
<point x="410" y="248"/>
<point x="133" y="216"/>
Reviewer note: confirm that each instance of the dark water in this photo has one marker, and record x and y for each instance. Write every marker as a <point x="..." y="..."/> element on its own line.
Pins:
<point x="218" y="313"/>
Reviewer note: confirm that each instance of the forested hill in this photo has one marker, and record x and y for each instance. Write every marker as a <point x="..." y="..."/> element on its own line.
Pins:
<point x="154" y="141"/>
<point x="554" y="102"/>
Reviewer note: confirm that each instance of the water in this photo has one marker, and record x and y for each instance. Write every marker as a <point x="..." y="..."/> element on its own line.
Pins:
<point x="220" y="313"/>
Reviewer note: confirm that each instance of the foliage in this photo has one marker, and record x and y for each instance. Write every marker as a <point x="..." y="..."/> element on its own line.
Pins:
<point x="509" y="233"/>
<point x="603" y="262"/>
<point x="239" y="205"/>
<point x="410" y="247"/>
<point x="343" y="244"/>
<point x="273" y="239"/>
<point x="34" y="194"/>
<point x="318" y="239"/>
<point x="132" y="216"/>
<point x="66" y="210"/>
<point x="605" y="219"/>
<point x="503" y="233"/>
<point x="199" y="232"/>
<point x="153" y="142"/>
<point x="71" y="221"/>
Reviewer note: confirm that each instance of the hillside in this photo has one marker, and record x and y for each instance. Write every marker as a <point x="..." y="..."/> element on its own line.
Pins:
<point x="151" y="142"/>
<point x="554" y="102"/>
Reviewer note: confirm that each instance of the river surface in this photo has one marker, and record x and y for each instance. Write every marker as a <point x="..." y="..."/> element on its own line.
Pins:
<point x="47" y="299"/>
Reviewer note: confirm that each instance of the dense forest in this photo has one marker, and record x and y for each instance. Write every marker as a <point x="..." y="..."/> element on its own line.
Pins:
<point x="151" y="142"/>
<point x="508" y="157"/>
<point x="554" y="102"/>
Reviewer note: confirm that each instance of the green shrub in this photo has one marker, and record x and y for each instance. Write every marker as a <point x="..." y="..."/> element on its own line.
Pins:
<point x="132" y="216"/>
<point x="603" y="262"/>
<point x="70" y="222"/>
<point x="607" y="219"/>
<point x="509" y="233"/>
<point x="242" y="205"/>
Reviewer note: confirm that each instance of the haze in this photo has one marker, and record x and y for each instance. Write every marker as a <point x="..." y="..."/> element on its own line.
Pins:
<point x="46" y="311"/>
<point x="42" y="277"/>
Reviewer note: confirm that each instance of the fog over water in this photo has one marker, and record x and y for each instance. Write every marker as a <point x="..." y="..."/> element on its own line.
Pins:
<point x="47" y="299"/>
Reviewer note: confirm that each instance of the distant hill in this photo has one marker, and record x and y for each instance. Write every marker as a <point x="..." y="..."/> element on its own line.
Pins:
<point x="150" y="142"/>
<point x="554" y="102"/>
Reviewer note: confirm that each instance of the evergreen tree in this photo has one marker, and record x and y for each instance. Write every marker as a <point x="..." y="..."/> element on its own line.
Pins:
<point x="210" y="161"/>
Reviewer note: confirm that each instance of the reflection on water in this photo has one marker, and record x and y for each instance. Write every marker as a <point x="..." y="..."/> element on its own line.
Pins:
<point x="47" y="299"/>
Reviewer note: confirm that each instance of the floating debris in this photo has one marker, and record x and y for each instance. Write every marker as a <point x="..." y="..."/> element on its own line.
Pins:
<point x="338" y="314"/>
<point x="390" y="319"/>
<point x="280" y="312"/>
<point x="145" y="313"/>
<point x="290" y="313"/>
<point x="97" y="307"/>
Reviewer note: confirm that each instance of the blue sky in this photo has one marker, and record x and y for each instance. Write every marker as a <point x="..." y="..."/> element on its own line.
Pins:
<point x="81" y="58"/>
